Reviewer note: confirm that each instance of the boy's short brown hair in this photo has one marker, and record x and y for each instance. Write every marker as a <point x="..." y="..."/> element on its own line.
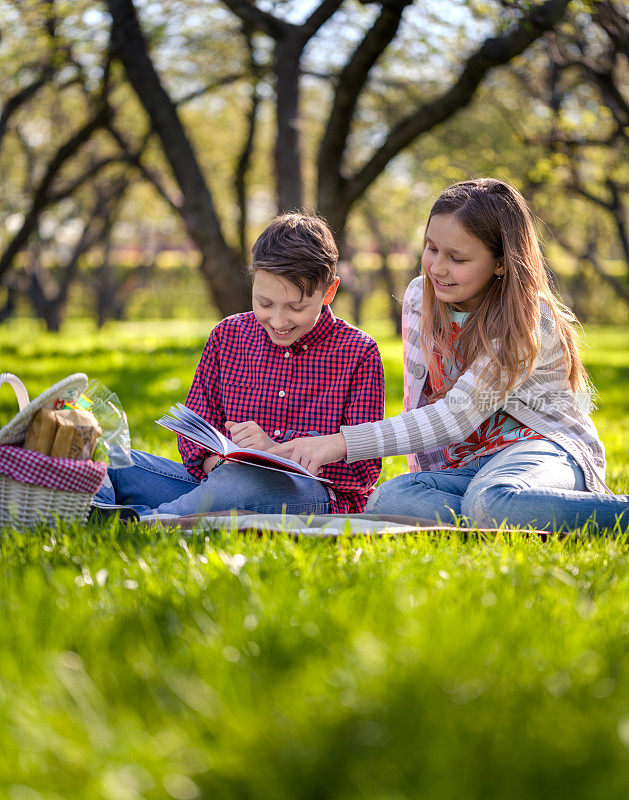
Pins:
<point x="300" y="248"/>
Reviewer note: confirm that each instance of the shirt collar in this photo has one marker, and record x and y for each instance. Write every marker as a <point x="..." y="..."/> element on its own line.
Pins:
<point x="417" y="291"/>
<point x="458" y="317"/>
<point x="320" y="330"/>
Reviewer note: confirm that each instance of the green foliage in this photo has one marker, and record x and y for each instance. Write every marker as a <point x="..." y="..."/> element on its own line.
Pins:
<point x="204" y="62"/>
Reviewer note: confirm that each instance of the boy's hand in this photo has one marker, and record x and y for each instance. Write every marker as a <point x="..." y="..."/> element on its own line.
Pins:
<point x="249" y="434"/>
<point x="209" y="464"/>
<point x="312" y="452"/>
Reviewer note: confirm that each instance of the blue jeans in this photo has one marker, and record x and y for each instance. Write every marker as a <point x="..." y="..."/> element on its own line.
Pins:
<point x="156" y="484"/>
<point x="533" y="483"/>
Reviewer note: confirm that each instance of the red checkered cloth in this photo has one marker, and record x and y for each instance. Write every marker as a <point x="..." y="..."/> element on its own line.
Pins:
<point x="67" y="474"/>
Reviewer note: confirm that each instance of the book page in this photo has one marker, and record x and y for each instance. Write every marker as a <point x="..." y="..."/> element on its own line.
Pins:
<point x="192" y="426"/>
<point x="224" y="445"/>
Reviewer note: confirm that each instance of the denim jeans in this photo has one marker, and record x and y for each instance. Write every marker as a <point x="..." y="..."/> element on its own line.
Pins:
<point x="156" y="484"/>
<point x="533" y="483"/>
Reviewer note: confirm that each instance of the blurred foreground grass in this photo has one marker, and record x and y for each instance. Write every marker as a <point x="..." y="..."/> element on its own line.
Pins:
<point x="139" y="663"/>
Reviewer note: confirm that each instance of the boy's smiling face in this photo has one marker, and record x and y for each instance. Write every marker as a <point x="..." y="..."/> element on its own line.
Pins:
<point x="281" y="309"/>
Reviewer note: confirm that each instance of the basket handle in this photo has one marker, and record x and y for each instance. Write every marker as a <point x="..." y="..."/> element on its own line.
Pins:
<point x="18" y="387"/>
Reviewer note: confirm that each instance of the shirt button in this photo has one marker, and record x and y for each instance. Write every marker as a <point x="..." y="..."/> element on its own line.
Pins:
<point x="419" y="371"/>
<point x="281" y="393"/>
<point x="304" y="347"/>
<point x="276" y="433"/>
<point x="286" y="354"/>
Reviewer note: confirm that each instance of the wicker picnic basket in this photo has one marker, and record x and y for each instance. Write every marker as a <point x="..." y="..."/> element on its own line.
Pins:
<point x="36" y="488"/>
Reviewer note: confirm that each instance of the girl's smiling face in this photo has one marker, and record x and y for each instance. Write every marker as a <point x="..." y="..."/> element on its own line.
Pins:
<point x="459" y="265"/>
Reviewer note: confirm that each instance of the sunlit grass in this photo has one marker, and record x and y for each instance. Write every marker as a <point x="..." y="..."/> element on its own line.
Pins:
<point x="142" y="663"/>
<point x="150" y="365"/>
<point x="231" y="666"/>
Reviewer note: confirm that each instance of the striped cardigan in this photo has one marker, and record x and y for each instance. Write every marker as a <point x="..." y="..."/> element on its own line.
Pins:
<point x="542" y="402"/>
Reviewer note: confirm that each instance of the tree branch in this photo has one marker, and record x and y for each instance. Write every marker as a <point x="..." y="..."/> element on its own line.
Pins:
<point x="220" y="262"/>
<point x="41" y="194"/>
<point x="259" y="20"/>
<point x="350" y="84"/>
<point x="134" y="157"/>
<point x="559" y="140"/>
<point x="319" y="17"/>
<point x="226" y="80"/>
<point x="597" y="70"/>
<point x="493" y="52"/>
<point x="29" y="158"/>
<point x="620" y="216"/>
<point x="576" y="187"/>
<point x="21" y="97"/>
<point x="244" y="160"/>
<point x="614" y="23"/>
<point x="591" y="257"/>
<point x="91" y="172"/>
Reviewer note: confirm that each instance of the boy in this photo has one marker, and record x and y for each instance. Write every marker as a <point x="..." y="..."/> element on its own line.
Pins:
<point x="287" y="369"/>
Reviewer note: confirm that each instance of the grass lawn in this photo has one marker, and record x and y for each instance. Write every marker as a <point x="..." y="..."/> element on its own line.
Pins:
<point x="141" y="664"/>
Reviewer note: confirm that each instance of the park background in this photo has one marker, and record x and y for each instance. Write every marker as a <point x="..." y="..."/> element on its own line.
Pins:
<point x="143" y="147"/>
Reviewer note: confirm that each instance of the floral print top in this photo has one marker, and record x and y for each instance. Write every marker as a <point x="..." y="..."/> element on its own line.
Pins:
<point x="497" y="432"/>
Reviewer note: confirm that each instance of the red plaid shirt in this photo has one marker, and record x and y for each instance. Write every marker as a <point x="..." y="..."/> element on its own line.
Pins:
<point x="331" y="377"/>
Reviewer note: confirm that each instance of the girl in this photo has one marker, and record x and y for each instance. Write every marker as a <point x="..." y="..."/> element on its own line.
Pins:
<point x="496" y="398"/>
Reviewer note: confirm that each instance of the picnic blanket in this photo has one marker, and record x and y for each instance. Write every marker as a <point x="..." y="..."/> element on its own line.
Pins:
<point x="320" y="525"/>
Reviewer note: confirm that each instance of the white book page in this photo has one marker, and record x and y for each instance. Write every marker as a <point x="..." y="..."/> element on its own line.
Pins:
<point x="194" y="428"/>
<point x="225" y="445"/>
<point x="189" y="424"/>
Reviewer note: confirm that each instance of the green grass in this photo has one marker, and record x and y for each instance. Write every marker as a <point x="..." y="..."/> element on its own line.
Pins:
<point x="143" y="664"/>
<point x="150" y="366"/>
<point x="137" y="664"/>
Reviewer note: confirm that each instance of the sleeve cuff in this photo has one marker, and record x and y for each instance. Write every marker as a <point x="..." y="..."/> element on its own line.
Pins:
<point x="194" y="464"/>
<point x="196" y="472"/>
<point x="361" y="442"/>
<point x="196" y="458"/>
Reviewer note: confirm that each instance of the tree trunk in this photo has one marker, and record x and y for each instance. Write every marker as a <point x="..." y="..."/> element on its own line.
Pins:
<point x="619" y="214"/>
<point x="395" y="307"/>
<point x="106" y="288"/>
<point x="51" y="314"/>
<point x="220" y="263"/>
<point x="8" y="309"/>
<point x="385" y="247"/>
<point x="242" y="168"/>
<point x="287" y="145"/>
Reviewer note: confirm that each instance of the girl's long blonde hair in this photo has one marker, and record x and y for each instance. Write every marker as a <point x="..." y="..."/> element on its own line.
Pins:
<point x="505" y="326"/>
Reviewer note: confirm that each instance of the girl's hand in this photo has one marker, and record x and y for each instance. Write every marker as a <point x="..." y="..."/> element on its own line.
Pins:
<point x="312" y="452"/>
<point x="249" y="434"/>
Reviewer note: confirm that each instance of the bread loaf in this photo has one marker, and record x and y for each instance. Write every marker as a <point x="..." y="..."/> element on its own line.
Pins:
<point x="77" y="432"/>
<point x="41" y="433"/>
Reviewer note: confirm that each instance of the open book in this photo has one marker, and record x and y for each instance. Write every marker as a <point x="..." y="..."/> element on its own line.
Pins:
<point x="182" y="420"/>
